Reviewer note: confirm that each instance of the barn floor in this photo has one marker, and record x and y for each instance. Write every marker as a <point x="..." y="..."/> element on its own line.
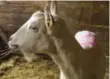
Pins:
<point x="16" y="68"/>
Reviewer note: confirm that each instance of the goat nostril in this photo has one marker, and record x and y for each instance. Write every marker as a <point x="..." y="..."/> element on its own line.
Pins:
<point x="10" y="38"/>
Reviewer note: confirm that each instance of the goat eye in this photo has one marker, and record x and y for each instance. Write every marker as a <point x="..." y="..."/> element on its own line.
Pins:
<point x="34" y="29"/>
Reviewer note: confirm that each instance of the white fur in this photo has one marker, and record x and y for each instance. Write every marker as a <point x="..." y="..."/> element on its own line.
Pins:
<point x="62" y="76"/>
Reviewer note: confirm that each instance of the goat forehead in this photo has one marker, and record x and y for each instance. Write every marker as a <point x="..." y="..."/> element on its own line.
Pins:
<point x="37" y="16"/>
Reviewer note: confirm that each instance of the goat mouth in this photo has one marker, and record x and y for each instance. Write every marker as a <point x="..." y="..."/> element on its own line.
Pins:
<point x="14" y="48"/>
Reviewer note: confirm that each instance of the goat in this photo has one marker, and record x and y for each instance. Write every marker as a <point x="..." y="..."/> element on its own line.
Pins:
<point x="45" y="32"/>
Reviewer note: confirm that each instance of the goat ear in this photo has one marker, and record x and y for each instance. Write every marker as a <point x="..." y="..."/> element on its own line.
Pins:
<point x="48" y="19"/>
<point x="53" y="7"/>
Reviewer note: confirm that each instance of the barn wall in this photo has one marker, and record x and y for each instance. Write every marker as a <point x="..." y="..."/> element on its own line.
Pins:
<point x="14" y="14"/>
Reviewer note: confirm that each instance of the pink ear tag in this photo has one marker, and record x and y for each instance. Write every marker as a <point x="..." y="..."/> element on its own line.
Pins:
<point x="86" y="39"/>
